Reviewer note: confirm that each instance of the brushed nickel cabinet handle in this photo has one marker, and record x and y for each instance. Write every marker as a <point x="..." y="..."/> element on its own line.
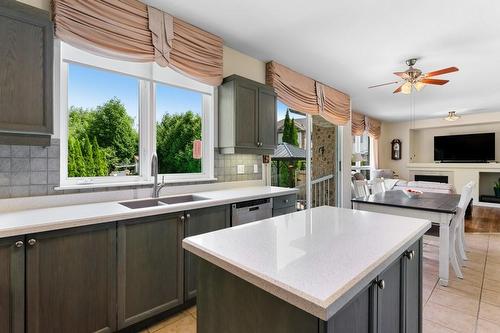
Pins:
<point x="19" y="244"/>
<point x="380" y="284"/>
<point x="32" y="241"/>
<point x="410" y="254"/>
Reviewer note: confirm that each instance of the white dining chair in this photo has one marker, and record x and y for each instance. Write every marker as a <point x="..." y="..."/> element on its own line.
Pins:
<point x="461" y="245"/>
<point x="377" y="185"/>
<point x="456" y="258"/>
<point x="360" y="188"/>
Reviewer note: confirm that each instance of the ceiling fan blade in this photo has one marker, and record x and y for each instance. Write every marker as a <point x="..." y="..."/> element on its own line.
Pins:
<point x="402" y="75"/>
<point x="383" y="84"/>
<point x="398" y="90"/>
<point x="435" y="81"/>
<point x="442" y="71"/>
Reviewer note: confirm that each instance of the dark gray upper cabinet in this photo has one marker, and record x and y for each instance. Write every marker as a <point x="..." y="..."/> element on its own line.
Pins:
<point x="247" y="117"/>
<point x="26" y="53"/>
<point x="198" y="222"/>
<point x="150" y="267"/>
<point x="12" y="285"/>
<point x="71" y="280"/>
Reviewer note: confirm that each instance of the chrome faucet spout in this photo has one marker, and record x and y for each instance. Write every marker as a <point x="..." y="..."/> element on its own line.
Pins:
<point x="154" y="173"/>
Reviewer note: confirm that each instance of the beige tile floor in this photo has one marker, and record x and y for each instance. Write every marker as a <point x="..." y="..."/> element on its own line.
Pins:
<point x="468" y="305"/>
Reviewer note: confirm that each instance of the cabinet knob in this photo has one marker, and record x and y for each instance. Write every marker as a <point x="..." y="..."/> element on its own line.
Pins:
<point x="182" y="218"/>
<point x="380" y="284"/>
<point x="410" y="254"/>
<point x="188" y="216"/>
<point x="19" y="244"/>
<point x="32" y="241"/>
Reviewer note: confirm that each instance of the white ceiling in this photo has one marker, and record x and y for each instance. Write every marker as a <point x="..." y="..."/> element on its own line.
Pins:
<point x="354" y="44"/>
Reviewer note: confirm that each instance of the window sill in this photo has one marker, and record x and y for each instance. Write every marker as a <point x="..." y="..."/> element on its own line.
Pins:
<point x="128" y="184"/>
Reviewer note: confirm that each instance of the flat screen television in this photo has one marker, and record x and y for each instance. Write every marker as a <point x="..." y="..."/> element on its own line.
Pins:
<point x="465" y="148"/>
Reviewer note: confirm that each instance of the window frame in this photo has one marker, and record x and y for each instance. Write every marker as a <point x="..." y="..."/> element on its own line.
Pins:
<point x="148" y="74"/>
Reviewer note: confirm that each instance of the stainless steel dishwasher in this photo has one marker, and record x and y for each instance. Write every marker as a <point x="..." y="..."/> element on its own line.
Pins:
<point x="251" y="211"/>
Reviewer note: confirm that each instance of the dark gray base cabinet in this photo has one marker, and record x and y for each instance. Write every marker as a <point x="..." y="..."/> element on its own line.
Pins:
<point x="71" y="280"/>
<point x="149" y="267"/>
<point x="198" y="222"/>
<point x="12" y="285"/>
<point x="390" y="303"/>
<point x="284" y="204"/>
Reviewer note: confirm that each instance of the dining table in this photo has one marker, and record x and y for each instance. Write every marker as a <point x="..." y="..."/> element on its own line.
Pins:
<point x="439" y="208"/>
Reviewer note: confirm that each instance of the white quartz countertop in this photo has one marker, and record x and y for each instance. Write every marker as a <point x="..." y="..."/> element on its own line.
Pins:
<point x="46" y="219"/>
<point x="315" y="259"/>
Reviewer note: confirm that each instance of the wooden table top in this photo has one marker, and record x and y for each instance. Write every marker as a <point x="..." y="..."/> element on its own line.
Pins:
<point x="435" y="202"/>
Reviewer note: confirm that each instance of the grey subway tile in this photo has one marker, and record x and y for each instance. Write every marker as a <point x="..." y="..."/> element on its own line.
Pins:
<point x="4" y="151"/>
<point x="38" y="164"/>
<point x="53" y="151"/>
<point x="4" y="164"/>
<point x="38" y="178"/>
<point x="53" y="177"/>
<point x="4" y="178"/>
<point x="20" y="165"/>
<point x="19" y="191"/>
<point x="36" y="151"/>
<point x="19" y="178"/>
<point x="53" y="164"/>
<point x="38" y="190"/>
<point x="4" y="192"/>
<point x="20" y="151"/>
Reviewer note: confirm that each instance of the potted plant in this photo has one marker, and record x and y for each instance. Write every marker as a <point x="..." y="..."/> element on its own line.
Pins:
<point x="497" y="188"/>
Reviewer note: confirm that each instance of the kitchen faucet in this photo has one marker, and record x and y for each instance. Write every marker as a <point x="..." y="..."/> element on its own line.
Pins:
<point x="154" y="172"/>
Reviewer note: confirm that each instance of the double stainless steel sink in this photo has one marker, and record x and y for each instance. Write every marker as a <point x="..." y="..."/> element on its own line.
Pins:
<point x="162" y="201"/>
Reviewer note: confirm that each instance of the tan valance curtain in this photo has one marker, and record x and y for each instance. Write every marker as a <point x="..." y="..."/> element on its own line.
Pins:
<point x="304" y="94"/>
<point x="113" y="28"/>
<point x="295" y="90"/>
<point x="129" y="30"/>
<point x="372" y="127"/>
<point x="334" y="105"/>
<point x="357" y="123"/>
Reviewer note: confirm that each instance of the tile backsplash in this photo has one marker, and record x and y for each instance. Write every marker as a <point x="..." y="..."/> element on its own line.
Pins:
<point x="34" y="171"/>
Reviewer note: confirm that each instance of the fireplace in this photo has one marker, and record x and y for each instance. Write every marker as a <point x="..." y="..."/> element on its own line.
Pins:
<point x="432" y="178"/>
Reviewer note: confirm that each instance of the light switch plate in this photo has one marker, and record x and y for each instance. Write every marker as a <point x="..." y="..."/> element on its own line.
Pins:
<point x="240" y="169"/>
<point x="255" y="168"/>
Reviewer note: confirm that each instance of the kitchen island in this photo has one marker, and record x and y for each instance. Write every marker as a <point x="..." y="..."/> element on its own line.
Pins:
<point x="321" y="270"/>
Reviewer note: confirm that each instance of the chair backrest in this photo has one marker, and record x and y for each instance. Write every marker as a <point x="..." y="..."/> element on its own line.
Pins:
<point x="360" y="188"/>
<point x="378" y="185"/>
<point x="358" y="176"/>
<point x="465" y="198"/>
<point x="382" y="173"/>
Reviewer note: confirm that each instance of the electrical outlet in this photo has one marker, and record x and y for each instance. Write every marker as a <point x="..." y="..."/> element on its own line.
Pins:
<point x="255" y="168"/>
<point x="240" y="169"/>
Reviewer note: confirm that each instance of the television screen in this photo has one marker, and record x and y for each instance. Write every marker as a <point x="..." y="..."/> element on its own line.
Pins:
<point x="465" y="148"/>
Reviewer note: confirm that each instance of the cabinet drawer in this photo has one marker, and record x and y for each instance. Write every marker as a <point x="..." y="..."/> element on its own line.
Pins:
<point x="284" y="210"/>
<point x="284" y="201"/>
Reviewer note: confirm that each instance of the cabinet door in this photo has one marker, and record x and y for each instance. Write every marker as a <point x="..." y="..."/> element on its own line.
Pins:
<point x="12" y="285"/>
<point x="149" y="267"/>
<point x="357" y="316"/>
<point x="247" y="96"/>
<point x="198" y="222"/>
<point x="26" y="38"/>
<point x="71" y="280"/>
<point x="412" y="268"/>
<point x="389" y="299"/>
<point x="267" y="119"/>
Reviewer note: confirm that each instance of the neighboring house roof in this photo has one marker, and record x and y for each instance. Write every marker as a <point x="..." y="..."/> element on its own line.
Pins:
<point x="286" y="151"/>
<point x="299" y="123"/>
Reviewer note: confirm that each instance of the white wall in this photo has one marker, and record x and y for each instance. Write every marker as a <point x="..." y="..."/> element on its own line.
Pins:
<point x="422" y="144"/>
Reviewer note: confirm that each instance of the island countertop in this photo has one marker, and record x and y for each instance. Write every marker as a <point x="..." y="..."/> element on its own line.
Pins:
<point x="315" y="259"/>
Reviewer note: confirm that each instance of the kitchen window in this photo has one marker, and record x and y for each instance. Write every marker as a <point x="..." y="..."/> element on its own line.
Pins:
<point x="114" y="114"/>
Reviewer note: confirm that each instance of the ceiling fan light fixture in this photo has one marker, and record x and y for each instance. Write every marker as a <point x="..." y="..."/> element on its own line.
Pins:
<point x="406" y="88"/>
<point x="419" y="86"/>
<point x="452" y="116"/>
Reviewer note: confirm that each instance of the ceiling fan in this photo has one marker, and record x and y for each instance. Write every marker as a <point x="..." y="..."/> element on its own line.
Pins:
<point x="413" y="78"/>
